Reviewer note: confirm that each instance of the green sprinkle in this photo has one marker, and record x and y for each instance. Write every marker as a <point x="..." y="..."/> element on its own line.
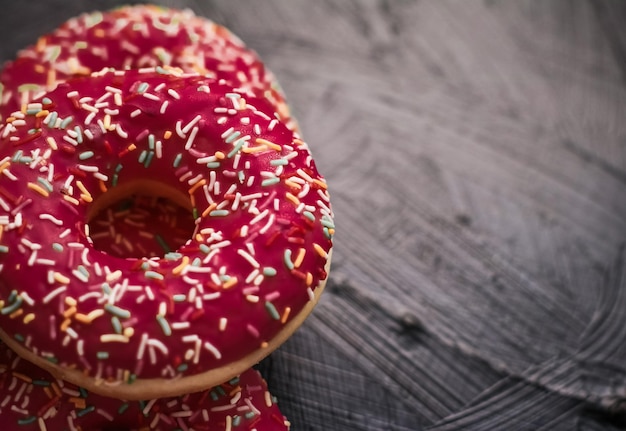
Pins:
<point x="241" y="176"/>
<point x="51" y="359"/>
<point x="79" y="134"/>
<point x="17" y="156"/>
<point x="232" y="137"/>
<point x="177" y="160"/>
<point x="204" y="248"/>
<point x="309" y="215"/>
<point x="234" y="381"/>
<point x="287" y="259"/>
<point x="57" y="247"/>
<point x="12" y="296"/>
<point x="85" y="411"/>
<point x="196" y="262"/>
<point x="83" y="392"/>
<point x="80" y="44"/>
<point x="26" y="421"/>
<point x="327" y="233"/>
<point x="45" y="100"/>
<point x="45" y="183"/>
<point x="145" y="266"/>
<point x="151" y="141"/>
<point x="142" y="88"/>
<point x="66" y="122"/>
<point x="123" y="408"/>
<point x="102" y="355"/>
<point x="106" y="289"/>
<point x="149" y="159"/>
<point x="213" y="165"/>
<point x="83" y="270"/>
<point x="4" y="249"/>
<point x="114" y="180"/>
<point x="117" y="325"/>
<point x="19" y="337"/>
<point x="194" y="213"/>
<point x="179" y="297"/>
<point x="161" y="71"/>
<point x="41" y="383"/>
<point x="219" y="213"/>
<point x="173" y="255"/>
<point x="214" y="396"/>
<point x="166" y="248"/>
<point x="86" y="155"/>
<point x="250" y="415"/>
<point x="270" y="182"/>
<point x="236" y="420"/>
<point x="153" y="275"/>
<point x="182" y="368"/>
<point x="132" y="378"/>
<point x="271" y="309"/>
<point x="119" y="167"/>
<point x="327" y="223"/>
<point x="143" y="155"/>
<point x="268" y="271"/>
<point x="165" y="326"/>
<point x="117" y="311"/>
<point x="13" y="307"/>
<point x="279" y="162"/>
<point x="236" y="148"/>
<point x="52" y="120"/>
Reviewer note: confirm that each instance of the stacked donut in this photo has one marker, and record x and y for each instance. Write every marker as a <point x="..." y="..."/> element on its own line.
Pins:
<point x="163" y="227"/>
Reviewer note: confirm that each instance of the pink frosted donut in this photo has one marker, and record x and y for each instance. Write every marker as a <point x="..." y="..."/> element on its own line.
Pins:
<point x="141" y="328"/>
<point x="33" y="400"/>
<point x="134" y="37"/>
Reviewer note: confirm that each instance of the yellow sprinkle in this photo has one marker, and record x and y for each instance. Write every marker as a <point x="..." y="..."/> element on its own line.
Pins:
<point x="36" y="187"/>
<point x="293" y="199"/>
<point x="71" y="199"/>
<point x="107" y="122"/>
<point x="110" y="338"/>
<point x="29" y="318"/>
<point x="167" y="134"/>
<point x="256" y="149"/>
<point x="60" y="278"/>
<point x="42" y="113"/>
<point x="318" y="248"/>
<point x="229" y="283"/>
<point x="129" y="332"/>
<point x="50" y="140"/>
<point x="86" y="198"/>
<point x="183" y="264"/>
<point x="299" y="258"/>
<point x="270" y="144"/>
<point x="70" y="302"/>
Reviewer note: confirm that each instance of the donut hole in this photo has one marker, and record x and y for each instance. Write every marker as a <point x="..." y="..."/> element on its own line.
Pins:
<point x="140" y="220"/>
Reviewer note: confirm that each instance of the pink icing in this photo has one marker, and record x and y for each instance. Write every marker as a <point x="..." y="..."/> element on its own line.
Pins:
<point x="263" y="225"/>
<point x="134" y="37"/>
<point x="34" y="400"/>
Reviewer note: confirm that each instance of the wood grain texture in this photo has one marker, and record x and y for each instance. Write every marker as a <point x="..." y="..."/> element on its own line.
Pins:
<point x="476" y="153"/>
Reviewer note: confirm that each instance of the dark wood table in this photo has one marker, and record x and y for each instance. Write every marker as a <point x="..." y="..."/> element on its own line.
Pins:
<point x="476" y="153"/>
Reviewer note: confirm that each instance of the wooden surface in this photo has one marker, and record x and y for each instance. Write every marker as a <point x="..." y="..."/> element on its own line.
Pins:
<point x="476" y="153"/>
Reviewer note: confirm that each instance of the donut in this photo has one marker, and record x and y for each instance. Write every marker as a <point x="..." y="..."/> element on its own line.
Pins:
<point x="132" y="37"/>
<point x="153" y="36"/>
<point x="32" y="399"/>
<point x="143" y="328"/>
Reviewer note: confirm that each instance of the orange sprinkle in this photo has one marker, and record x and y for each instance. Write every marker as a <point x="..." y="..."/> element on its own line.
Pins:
<point x="309" y="279"/>
<point x="318" y="248"/>
<point x="183" y="264"/>
<point x="293" y="199"/>
<point x="37" y="188"/>
<point x="270" y="144"/>
<point x="258" y="149"/>
<point x="47" y="391"/>
<point x="208" y="209"/>
<point x="4" y="166"/>
<point x="219" y="155"/>
<point x="40" y="69"/>
<point x="103" y="187"/>
<point x="56" y="389"/>
<point x="230" y="283"/>
<point x="16" y="313"/>
<point x="69" y="312"/>
<point x="42" y="113"/>
<point x="167" y="134"/>
<point x="293" y="184"/>
<point x="264" y="345"/>
<point x="51" y="78"/>
<point x="23" y="377"/>
<point x="41" y="44"/>
<point x="320" y="183"/>
<point x="197" y="185"/>
<point x="79" y="403"/>
<point x="66" y="324"/>
<point x="70" y="301"/>
<point x="285" y="315"/>
<point x="299" y="258"/>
